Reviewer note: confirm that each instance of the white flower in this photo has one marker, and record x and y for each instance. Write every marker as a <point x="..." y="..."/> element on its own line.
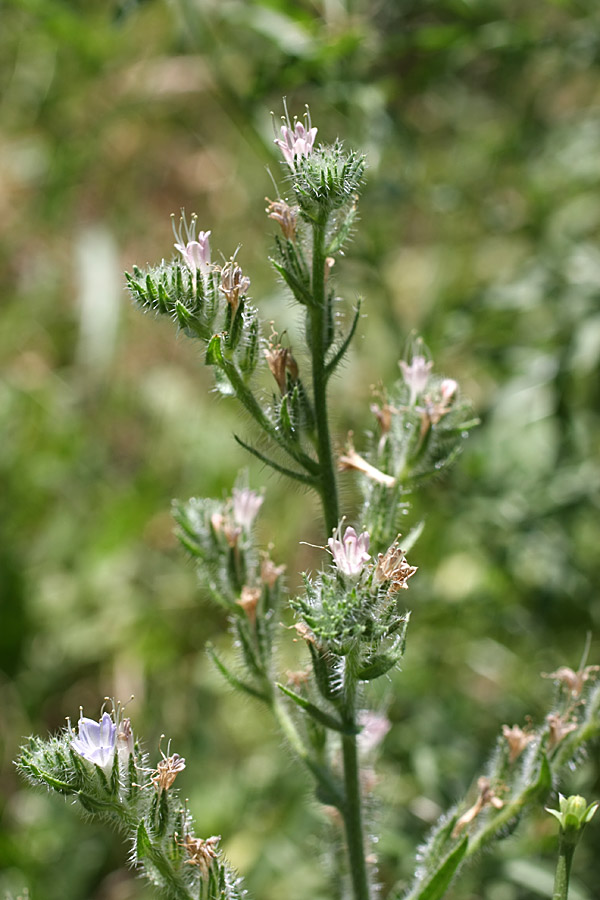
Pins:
<point x="350" y="554"/>
<point x="96" y="741"/>
<point x="246" y="504"/>
<point x="416" y="376"/>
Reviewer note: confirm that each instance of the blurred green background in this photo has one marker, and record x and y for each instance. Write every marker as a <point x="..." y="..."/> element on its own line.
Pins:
<point x="479" y="228"/>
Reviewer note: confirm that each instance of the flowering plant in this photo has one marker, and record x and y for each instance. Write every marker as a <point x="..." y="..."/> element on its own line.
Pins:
<point x="351" y="615"/>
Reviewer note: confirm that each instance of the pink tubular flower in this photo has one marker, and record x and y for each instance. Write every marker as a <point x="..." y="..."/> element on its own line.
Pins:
<point x="246" y="504"/>
<point x="195" y="250"/>
<point x="296" y="141"/>
<point x="416" y="376"/>
<point x="448" y="389"/>
<point x="350" y="554"/>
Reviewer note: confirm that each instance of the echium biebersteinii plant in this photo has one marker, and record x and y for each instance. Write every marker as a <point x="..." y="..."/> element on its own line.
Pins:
<point x="351" y="615"/>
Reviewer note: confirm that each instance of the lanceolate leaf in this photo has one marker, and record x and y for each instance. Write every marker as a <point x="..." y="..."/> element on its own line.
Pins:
<point x="318" y="714"/>
<point x="437" y="886"/>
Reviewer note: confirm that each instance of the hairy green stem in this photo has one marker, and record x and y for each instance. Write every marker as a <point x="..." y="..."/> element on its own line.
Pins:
<point x="319" y="339"/>
<point x="566" y="849"/>
<point x="320" y="323"/>
<point x="352" y="811"/>
<point x="353" y="819"/>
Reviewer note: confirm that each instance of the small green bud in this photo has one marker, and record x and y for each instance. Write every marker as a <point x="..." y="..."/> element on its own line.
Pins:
<point x="573" y="815"/>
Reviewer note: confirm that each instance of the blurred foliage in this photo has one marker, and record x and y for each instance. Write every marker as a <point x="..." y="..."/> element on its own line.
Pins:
<point x="480" y="218"/>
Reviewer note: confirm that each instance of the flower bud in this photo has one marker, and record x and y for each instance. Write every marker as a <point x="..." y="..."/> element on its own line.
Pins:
<point x="573" y="814"/>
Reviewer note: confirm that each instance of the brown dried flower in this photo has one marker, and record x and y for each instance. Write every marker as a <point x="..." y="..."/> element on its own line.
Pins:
<point x="249" y="601"/>
<point x="573" y="681"/>
<point x="287" y="217"/>
<point x="233" y="283"/>
<point x="201" y="853"/>
<point x="487" y="797"/>
<point x="280" y="359"/>
<point x="393" y="567"/>
<point x="269" y="572"/>
<point x="167" y="771"/>
<point x="304" y="632"/>
<point x="517" y="740"/>
<point x="560" y="727"/>
<point x="383" y="414"/>
<point x="350" y="460"/>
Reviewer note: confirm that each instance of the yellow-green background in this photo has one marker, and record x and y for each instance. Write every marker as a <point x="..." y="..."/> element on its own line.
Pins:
<point x="479" y="228"/>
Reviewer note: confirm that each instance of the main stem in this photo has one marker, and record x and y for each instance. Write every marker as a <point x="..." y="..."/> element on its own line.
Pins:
<point x="319" y="325"/>
<point x="320" y="319"/>
<point x="353" y="800"/>
<point x="353" y="819"/>
<point x="566" y="849"/>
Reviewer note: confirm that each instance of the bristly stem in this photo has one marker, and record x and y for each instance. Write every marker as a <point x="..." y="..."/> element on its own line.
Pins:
<point x="320" y="318"/>
<point x="352" y="812"/>
<point x="566" y="849"/>
<point x="320" y="339"/>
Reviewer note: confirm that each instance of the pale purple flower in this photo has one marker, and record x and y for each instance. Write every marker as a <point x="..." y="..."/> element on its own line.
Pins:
<point x="350" y="553"/>
<point x="194" y="249"/>
<point x="96" y="741"/>
<point x="416" y="376"/>
<point x="297" y="140"/>
<point x="246" y="504"/>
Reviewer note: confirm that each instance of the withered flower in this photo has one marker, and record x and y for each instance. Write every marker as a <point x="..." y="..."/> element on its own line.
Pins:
<point x="285" y="215"/>
<point x="393" y="567"/>
<point x="560" y="727"/>
<point x="167" y="771"/>
<point x="487" y="797"/>
<point x="269" y="572"/>
<point x="280" y="359"/>
<point x="233" y="283"/>
<point x="573" y="681"/>
<point x="383" y="414"/>
<point x="231" y="532"/>
<point x="304" y="632"/>
<point x="517" y="740"/>
<point x="201" y="853"/>
<point x="351" y="461"/>
<point x="249" y="601"/>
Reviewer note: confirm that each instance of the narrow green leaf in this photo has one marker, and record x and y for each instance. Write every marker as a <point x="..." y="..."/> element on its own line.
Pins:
<point x="283" y="470"/>
<point x="378" y="665"/>
<point x="143" y="845"/>
<point x="151" y="289"/>
<point x="163" y="299"/>
<point x="318" y="714"/>
<point x="214" y="351"/>
<point x="184" y="316"/>
<point x="235" y="682"/>
<point x="298" y="289"/>
<point x="437" y="886"/>
<point x="328" y="683"/>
